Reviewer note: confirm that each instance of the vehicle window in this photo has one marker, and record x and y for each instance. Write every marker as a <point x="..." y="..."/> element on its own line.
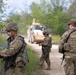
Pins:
<point x="37" y="28"/>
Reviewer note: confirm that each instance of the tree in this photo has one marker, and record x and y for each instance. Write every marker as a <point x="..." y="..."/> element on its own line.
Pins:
<point x="36" y="11"/>
<point x="1" y="4"/>
<point x="22" y="19"/>
<point x="1" y="11"/>
<point x="51" y="13"/>
<point x="72" y="10"/>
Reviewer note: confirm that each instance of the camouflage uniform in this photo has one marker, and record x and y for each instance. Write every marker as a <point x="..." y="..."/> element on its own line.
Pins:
<point x="46" y="45"/>
<point x="69" y="50"/>
<point x="16" y="54"/>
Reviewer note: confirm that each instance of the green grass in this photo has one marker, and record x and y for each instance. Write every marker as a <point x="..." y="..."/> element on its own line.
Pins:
<point x="2" y="39"/>
<point x="2" y="42"/>
<point x="1" y="67"/>
<point x="32" y="66"/>
<point x="55" y="39"/>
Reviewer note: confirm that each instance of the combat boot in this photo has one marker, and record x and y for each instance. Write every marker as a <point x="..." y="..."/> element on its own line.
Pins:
<point x="48" y="68"/>
<point x="41" y="63"/>
<point x="49" y="64"/>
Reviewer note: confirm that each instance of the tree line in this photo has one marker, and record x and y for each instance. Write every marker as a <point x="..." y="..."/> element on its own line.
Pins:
<point x="54" y="14"/>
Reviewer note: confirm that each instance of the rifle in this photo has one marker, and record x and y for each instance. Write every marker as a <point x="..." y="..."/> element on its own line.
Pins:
<point x="43" y="50"/>
<point x="62" y="60"/>
<point x="63" y="48"/>
<point x="5" y="60"/>
<point x="1" y="57"/>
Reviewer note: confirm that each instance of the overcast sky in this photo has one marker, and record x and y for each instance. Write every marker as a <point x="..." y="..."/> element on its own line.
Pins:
<point x="19" y="4"/>
<point x="16" y="6"/>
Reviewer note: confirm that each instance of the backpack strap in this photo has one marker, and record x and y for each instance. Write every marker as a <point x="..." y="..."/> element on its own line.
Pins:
<point x="69" y="35"/>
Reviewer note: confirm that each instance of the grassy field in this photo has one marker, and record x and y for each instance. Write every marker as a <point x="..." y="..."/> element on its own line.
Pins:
<point x="2" y="40"/>
<point x="55" y="39"/>
<point x="32" y="66"/>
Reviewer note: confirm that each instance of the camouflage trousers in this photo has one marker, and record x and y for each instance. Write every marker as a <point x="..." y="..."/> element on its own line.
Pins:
<point x="45" y="58"/>
<point x="18" y="70"/>
<point x="70" y="66"/>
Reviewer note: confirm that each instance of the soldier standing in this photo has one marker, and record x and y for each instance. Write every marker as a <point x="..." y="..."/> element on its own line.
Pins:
<point x="67" y="46"/>
<point x="15" y="55"/>
<point x="46" y="48"/>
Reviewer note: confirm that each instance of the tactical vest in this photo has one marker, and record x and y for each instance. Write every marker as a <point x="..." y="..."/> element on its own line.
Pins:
<point x="23" y="52"/>
<point x="10" y="61"/>
<point x="72" y="42"/>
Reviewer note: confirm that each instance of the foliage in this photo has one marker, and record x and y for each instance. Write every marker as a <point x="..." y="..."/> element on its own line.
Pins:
<point x="55" y="39"/>
<point x="50" y="14"/>
<point x="72" y="10"/>
<point x="1" y="11"/>
<point x="2" y="39"/>
<point x="1" y="4"/>
<point x="21" y="20"/>
<point x="32" y="66"/>
<point x="54" y="14"/>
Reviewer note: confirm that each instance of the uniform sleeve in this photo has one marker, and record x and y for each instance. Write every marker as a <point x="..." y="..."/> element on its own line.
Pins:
<point x="47" y="42"/>
<point x="14" y="48"/>
<point x="62" y="41"/>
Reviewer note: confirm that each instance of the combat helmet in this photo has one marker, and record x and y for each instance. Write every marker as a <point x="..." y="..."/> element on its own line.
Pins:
<point x="45" y="32"/>
<point x="11" y="26"/>
<point x="72" y="22"/>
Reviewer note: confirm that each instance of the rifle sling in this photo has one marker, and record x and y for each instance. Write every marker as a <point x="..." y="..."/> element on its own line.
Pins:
<point x="69" y="35"/>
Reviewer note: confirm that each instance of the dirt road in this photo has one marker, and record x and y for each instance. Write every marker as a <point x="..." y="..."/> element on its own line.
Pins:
<point x="54" y="57"/>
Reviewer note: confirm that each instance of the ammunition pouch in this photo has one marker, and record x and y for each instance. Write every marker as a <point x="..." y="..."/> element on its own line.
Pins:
<point x="69" y="55"/>
<point x="67" y="47"/>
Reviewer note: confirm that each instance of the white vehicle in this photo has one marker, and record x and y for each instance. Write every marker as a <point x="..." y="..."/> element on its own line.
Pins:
<point x="35" y="33"/>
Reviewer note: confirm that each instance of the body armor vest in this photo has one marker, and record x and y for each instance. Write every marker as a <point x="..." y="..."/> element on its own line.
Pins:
<point x="72" y="42"/>
<point x="10" y="61"/>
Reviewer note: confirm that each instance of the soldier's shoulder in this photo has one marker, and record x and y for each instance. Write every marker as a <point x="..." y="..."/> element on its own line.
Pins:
<point x="66" y="33"/>
<point x="48" y="38"/>
<point x="20" y="38"/>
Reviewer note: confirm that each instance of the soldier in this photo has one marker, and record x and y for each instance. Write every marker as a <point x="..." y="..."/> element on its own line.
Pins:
<point x="15" y="55"/>
<point x="67" y="47"/>
<point x="46" y="48"/>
